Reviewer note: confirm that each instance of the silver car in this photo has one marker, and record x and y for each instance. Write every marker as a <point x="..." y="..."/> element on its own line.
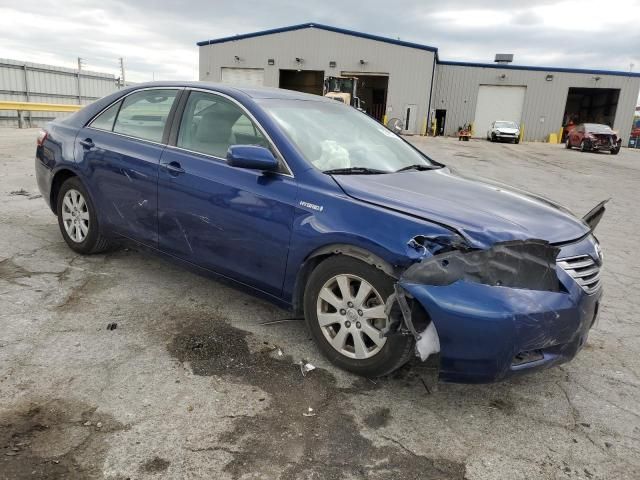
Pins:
<point x="501" y="130"/>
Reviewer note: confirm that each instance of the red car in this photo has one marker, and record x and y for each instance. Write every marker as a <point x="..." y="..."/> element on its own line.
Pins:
<point x="591" y="137"/>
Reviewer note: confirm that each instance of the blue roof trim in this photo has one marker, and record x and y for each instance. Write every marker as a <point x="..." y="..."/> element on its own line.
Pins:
<point x="320" y="26"/>
<point x="540" y="69"/>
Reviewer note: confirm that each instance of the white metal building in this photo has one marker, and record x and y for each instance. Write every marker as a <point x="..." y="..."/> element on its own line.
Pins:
<point x="408" y="81"/>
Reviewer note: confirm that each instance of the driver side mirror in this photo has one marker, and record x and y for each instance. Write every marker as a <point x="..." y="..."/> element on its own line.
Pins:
<point x="252" y="157"/>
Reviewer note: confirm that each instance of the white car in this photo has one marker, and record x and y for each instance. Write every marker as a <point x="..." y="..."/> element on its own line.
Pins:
<point x="504" y="130"/>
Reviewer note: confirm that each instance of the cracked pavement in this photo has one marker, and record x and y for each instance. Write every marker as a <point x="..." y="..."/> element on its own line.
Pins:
<point x="191" y="384"/>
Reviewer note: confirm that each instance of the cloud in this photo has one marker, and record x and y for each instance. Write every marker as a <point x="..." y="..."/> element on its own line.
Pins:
<point x="157" y="38"/>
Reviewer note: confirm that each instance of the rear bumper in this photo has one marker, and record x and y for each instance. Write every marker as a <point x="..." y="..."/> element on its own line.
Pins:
<point x="44" y="177"/>
<point x="490" y="333"/>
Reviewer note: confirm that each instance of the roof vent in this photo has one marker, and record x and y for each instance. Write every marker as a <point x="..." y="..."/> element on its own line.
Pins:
<point x="504" y="58"/>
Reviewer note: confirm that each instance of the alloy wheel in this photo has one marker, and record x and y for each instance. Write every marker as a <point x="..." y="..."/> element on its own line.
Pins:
<point x="351" y="315"/>
<point x="75" y="215"/>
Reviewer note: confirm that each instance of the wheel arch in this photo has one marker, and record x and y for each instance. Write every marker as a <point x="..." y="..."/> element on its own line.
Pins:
<point x="59" y="178"/>
<point x="322" y="253"/>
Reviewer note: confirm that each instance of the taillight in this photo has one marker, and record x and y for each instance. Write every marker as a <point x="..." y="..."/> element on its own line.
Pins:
<point x="42" y="136"/>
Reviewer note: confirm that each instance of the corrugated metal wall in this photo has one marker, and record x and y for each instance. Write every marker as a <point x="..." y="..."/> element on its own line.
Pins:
<point x="456" y="91"/>
<point x="409" y="69"/>
<point x="24" y="81"/>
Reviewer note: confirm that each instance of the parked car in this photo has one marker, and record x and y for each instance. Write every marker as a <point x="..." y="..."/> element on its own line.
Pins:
<point x="321" y="209"/>
<point x="502" y="130"/>
<point x="592" y="137"/>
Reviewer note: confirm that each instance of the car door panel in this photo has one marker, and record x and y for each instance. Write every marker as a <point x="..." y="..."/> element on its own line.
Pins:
<point x="120" y="151"/>
<point x="124" y="176"/>
<point x="236" y="222"/>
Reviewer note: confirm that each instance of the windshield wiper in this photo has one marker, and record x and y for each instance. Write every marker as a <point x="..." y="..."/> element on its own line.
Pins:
<point x="419" y="167"/>
<point x="354" y="171"/>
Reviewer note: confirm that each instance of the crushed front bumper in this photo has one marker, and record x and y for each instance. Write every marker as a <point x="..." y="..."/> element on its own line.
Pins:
<point x="504" y="311"/>
<point x="486" y="332"/>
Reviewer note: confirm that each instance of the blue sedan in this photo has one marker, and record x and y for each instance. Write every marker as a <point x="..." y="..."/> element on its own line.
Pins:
<point x="316" y="206"/>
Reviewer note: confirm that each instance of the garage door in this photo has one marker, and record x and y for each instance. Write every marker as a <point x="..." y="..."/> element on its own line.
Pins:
<point x="497" y="102"/>
<point x="253" y="77"/>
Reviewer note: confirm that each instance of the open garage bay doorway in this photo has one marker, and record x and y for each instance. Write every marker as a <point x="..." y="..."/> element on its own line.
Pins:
<point x="307" y="81"/>
<point x="372" y="91"/>
<point x="590" y="105"/>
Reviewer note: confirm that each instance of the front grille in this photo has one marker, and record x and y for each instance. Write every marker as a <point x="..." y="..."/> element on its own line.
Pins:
<point x="584" y="270"/>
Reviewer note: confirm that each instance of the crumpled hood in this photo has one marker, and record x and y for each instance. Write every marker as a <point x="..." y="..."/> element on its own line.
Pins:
<point x="484" y="213"/>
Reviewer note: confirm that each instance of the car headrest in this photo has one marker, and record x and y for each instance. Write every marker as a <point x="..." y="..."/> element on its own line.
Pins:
<point x="214" y="128"/>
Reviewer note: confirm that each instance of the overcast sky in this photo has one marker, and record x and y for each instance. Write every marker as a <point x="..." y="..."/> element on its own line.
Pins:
<point x="158" y="38"/>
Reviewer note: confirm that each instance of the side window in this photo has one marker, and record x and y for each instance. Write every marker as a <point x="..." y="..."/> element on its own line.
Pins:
<point x="144" y="114"/>
<point x="104" y="121"/>
<point x="210" y="124"/>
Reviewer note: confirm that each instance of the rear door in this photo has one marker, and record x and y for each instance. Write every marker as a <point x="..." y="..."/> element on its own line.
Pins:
<point x="120" y="150"/>
<point x="234" y="221"/>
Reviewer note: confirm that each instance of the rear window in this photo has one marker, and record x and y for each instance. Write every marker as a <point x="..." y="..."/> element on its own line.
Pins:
<point x="144" y="114"/>
<point x="105" y="120"/>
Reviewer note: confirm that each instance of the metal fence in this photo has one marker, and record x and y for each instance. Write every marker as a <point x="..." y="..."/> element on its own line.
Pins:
<point x="33" y="82"/>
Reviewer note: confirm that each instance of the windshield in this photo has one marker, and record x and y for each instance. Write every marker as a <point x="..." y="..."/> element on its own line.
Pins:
<point x="597" y="128"/>
<point x="334" y="136"/>
<point x="506" y="125"/>
<point x="340" y="85"/>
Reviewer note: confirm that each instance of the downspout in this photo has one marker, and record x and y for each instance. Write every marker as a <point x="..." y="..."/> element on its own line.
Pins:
<point x="433" y="73"/>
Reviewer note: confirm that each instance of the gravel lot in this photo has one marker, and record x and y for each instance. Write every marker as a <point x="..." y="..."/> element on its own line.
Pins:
<point x="191" y="384"/>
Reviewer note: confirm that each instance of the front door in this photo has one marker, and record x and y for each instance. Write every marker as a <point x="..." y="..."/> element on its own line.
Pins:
<point x="236" y="222"/>
<point x="120" y="151"/>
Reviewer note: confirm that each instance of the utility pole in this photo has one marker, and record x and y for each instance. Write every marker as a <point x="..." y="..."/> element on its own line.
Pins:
<point x="122" y="79"/>
<point x="80" y="63"/>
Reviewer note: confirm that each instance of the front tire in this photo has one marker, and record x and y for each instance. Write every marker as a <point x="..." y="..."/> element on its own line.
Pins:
<point x="567" y="144"/>
<point x="344" y="306"/>
<point x="77" y="218"/>
<point x="585" y="146"/>
<point x="615" y="150"/>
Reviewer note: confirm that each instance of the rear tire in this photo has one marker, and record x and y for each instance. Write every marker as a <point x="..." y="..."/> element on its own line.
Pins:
<point x="77" y="219"/>
<point x="347" y="335"/>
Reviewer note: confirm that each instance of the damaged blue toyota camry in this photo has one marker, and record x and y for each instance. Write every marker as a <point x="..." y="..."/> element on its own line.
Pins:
<point x="316" y="206"/>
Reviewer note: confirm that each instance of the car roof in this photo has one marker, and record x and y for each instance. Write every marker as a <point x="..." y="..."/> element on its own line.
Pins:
<point x="81" y="117"/>
<point x="250" y="91"/>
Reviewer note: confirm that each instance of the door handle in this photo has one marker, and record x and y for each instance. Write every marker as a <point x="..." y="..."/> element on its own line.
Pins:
<point x="173" y="168"/>
<point x="87" y="143"/>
